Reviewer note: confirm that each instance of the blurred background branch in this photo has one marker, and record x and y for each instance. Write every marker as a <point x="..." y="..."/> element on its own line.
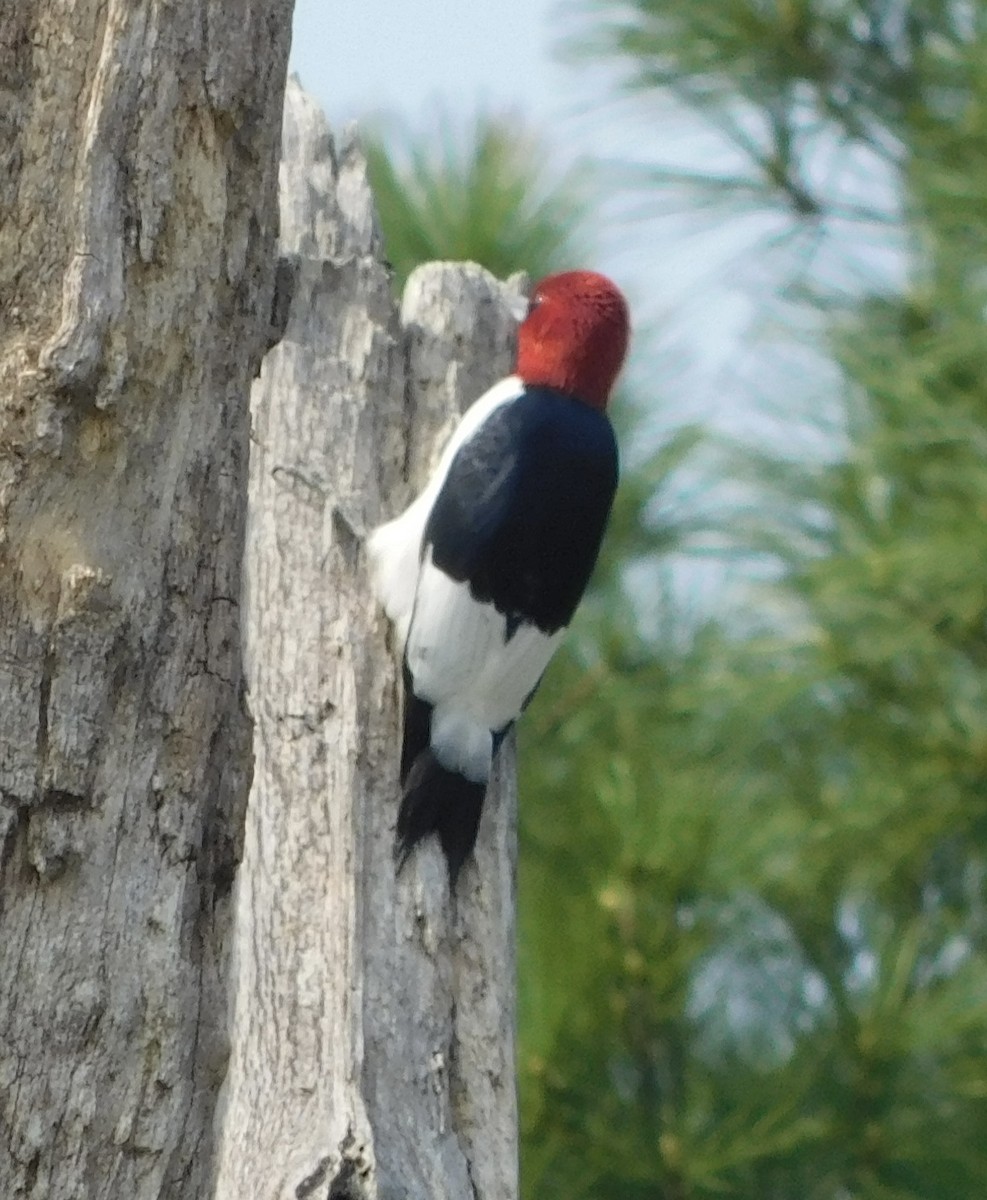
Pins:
<point x="754" y="787"/>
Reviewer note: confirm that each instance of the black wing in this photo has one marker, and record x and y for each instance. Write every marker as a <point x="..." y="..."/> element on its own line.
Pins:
<point x="522" y="510"/>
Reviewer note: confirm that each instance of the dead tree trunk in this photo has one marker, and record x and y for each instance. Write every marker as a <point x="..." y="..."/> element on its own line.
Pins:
<point x="373" y="1039"/>
<point x="137" y="229"/>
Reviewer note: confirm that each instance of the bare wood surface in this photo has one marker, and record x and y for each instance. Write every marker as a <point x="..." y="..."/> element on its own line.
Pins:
<point x="137" y="226"/>
<point x="373" y="1035"/>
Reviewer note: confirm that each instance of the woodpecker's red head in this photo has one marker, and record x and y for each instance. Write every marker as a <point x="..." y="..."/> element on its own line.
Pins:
<point x="575" y="336"/>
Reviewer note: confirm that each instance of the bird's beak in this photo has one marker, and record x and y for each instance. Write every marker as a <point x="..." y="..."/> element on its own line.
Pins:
<point x="518" y="307"/>
<point x="519" y="299"/>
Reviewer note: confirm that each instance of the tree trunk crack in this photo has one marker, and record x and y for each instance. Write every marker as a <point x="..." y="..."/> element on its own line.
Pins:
<point x="44" y="699"/>
<point x="458" y="1086"/>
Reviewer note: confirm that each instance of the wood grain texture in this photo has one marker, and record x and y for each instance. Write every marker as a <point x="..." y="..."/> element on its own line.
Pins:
<point x="373" y="1035"/>
<point x="138" y="221"/>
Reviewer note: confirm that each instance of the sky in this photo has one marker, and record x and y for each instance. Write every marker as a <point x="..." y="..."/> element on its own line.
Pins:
<point x="364" y="55"/>
<point x="692" y="307"/>
<point x="705" y="308"/>
<point x="361" y="57"/>
<point x="690" y="276"/>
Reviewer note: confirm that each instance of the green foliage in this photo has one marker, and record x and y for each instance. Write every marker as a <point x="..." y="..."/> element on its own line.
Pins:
<point x="753" y="934"/>
<point x="753" y="925"/>
<point x="486" y="195"/>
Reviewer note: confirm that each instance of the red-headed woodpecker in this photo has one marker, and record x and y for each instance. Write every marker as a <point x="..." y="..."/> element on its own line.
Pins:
<point x="482" y="572"/>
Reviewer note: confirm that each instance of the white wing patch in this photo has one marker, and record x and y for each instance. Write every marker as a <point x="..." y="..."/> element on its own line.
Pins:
<point x="452" y="636"/>
<point x="395" y="547"/>
<point x="463" y="663"/>
<point x="458" y="652"/>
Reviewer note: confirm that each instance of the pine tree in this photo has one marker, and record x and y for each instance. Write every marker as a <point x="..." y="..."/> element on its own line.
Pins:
<point x="482" y="192"/>
<point x="753" y="853"/>
<point x="772" y="878"/>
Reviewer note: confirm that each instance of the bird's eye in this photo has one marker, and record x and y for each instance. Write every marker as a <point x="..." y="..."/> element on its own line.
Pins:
<point x="533" y="303"/>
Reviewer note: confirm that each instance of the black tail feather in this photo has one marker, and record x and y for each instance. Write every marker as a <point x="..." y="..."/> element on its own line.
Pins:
<point x="417" y="726"/>
<point x="439" y="801"/>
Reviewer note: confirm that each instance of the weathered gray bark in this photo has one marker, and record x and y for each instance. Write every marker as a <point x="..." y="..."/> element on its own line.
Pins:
<point x="137" y="223"/>
<point x="373" y="1039"/>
